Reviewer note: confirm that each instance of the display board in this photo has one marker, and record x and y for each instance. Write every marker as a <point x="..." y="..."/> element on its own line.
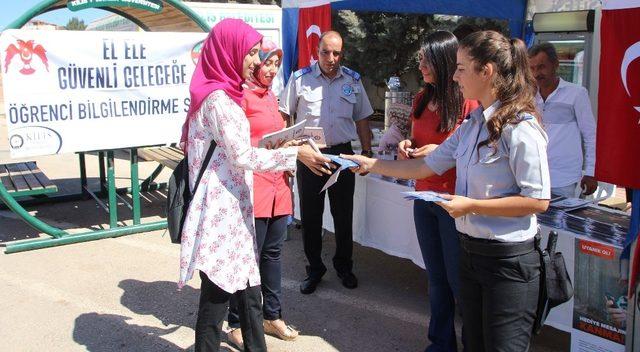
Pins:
<point x="115" y="90"/>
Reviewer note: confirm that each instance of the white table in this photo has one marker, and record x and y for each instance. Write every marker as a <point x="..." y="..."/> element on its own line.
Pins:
<point x="382" y="219"/>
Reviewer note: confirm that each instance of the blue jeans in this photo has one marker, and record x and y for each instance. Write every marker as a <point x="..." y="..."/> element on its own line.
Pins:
<point x="270" y="235"/>
<point x="440" y="246"/>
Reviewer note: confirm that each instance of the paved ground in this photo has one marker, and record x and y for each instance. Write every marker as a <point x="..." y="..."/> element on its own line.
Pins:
<point x="120" y="294"/>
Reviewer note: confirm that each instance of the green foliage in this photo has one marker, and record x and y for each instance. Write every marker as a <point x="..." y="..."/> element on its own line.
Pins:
<point x="379" y="45"/>
<point x="75" y="24"/>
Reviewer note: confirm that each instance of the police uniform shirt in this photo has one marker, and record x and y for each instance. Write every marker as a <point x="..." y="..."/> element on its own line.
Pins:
<point x="333" y="104"/>
<point x="518" y="167"/>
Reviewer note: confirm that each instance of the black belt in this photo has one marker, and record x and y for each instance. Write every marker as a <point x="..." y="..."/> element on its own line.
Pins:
<point x="492" y="248"/>
<point x="337" y="146"/>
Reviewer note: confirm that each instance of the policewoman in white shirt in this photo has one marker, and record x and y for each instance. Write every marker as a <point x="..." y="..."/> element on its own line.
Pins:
<point x="502" y="181"/>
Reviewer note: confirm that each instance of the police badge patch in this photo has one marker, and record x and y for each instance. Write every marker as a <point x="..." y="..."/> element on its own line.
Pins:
<point x="347" y="89"/>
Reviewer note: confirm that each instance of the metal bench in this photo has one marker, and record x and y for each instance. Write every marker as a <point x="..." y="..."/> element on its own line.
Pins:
<point x="165" y="156"/>
<point x="25" y="179"/>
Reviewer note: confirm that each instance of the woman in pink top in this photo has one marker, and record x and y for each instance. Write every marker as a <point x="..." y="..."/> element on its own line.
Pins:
<point x="271" y="198"/>
<point x="218" y="237"/>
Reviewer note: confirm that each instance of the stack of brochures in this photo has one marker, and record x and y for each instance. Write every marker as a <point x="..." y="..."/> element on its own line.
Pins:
<point x="555" y="216"/>
<point x="586" y="219"/>
<point x="599" y="223"/>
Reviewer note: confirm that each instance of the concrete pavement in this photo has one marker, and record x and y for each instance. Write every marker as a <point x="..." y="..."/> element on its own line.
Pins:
<point x="120" y="294"/>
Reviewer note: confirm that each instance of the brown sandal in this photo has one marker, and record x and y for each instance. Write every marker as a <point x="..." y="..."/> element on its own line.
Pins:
<point x="234" y="337"/>
<point x="288" y="334"/>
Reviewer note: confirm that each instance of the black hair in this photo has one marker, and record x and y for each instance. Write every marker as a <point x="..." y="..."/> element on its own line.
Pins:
<point x="439" y="51"/>
<point x="464" y="29"/>
<point x="546" y="48"/>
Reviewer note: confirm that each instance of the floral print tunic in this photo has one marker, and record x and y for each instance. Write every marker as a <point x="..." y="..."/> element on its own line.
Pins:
<point x="218" y="237"/>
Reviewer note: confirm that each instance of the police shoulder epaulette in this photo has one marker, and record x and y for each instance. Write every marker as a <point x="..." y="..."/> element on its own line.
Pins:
<point x="352" y="73"/>
<point x="301" y="72"/>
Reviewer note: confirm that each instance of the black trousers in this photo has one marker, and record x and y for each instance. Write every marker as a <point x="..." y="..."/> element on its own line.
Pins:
<point x="270" y="235"/>
<point x="499" y="297"/>
<point x="211" y="313"/>
<point x="312" y="208"/>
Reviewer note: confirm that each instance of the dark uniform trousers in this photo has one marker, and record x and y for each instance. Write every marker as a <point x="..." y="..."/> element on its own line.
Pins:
<point x="312" y="208"/>
<point x="500" y="298"/>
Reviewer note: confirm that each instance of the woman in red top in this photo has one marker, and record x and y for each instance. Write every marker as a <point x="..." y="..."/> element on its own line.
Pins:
<point x="271" y="198"/>
<point x="437" y="111"/>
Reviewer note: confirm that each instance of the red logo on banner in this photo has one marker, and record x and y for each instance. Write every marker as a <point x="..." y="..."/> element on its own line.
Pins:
<point x="195" y="52"/>
<point x="312" y="22"/>
<point x="619" y="99"/>
<point x="26" y="50"/>
<point x="597" y="249"/>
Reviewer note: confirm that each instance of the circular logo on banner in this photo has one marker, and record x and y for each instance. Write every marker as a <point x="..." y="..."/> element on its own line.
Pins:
<point x="16" y="141"/>
<point x="35" y="140"/>
<point x="195" y="52"/>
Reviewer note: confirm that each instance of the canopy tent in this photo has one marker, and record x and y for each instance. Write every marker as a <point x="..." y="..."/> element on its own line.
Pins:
<point x="173" y="16"/>
<point x="513" y="11"/>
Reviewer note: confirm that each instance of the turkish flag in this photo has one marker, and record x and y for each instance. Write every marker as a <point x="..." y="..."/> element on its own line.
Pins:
<point x="618" y="133"/>
<point x="312" y="22"/>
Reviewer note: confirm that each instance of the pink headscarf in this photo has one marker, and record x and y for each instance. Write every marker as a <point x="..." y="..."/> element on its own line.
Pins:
<point x="220" y="64"/>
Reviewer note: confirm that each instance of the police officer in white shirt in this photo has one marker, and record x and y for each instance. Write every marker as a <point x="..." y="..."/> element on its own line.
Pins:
<point x="569" y="123"/>
<point x="330" y="96"/>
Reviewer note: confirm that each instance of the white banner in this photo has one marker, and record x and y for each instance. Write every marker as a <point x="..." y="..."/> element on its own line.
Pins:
<point x="71" y="91"/>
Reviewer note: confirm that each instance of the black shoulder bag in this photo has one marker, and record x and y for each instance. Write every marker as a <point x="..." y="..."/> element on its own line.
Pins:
<point x="555" y="283"/>
<point x="179" y="196"/>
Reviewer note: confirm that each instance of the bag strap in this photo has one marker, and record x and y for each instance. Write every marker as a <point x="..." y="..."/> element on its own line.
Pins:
<point x="205" y="163"/>
<point x="551" y="243"/>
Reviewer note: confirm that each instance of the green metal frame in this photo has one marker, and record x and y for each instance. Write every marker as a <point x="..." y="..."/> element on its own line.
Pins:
<point x="47" y="5"/>
<point x="35" y="192"/>
<point x="60" y="237"/>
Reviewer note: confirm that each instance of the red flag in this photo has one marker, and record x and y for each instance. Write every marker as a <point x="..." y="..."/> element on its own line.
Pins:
<point x="312" y="22"/>
<point x="618" y="133"/>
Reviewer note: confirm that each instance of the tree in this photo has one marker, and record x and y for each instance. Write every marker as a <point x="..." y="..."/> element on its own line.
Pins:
<point x="379" y="45"/>
<point x="75" y="24"/>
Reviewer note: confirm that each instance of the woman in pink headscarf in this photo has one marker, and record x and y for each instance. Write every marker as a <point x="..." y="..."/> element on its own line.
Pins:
<point x="218" y="237"/>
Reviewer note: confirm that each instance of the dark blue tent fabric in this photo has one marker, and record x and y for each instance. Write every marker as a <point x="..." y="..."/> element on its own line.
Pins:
<point x="512" y="10"/>
<point x="504" y="9"/>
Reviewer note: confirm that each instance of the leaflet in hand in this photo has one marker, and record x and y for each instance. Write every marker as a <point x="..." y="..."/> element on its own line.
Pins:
<point x="287" y="134"/>
<point x="343" y="163"/>
<point x="299" y="130"/>
<point x="316" y="134"/>
<point x="427" y="196"/>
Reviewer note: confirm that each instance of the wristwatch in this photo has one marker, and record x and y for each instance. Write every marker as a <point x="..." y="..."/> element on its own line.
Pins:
<point x="367" y="153"/>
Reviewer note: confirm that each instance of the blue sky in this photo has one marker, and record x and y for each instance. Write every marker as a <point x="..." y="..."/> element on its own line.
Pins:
<point x="13" y="9"/>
